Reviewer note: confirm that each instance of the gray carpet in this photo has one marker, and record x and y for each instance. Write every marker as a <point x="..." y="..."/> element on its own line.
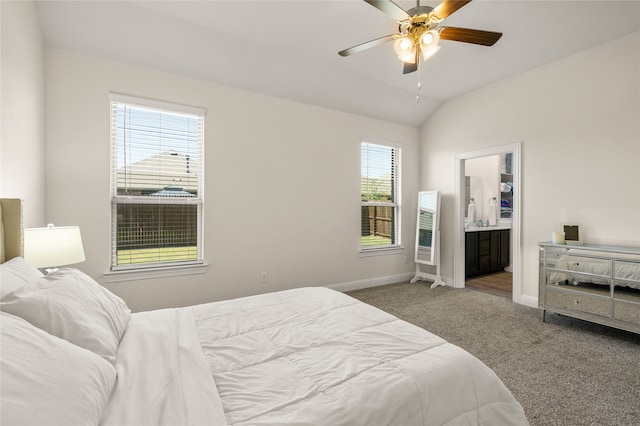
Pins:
<point x="563" y="371"/>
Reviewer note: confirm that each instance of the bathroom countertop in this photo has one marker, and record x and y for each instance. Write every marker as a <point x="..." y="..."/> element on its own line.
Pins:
<point x="474" y="228"/>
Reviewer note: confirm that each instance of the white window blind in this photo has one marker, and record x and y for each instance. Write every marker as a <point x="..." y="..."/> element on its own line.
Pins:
<point x="157" y="178"/>
<point x="379" y="189"/>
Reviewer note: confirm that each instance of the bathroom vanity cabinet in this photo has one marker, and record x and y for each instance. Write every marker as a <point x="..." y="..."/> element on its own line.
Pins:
<point x="486" y="251"/>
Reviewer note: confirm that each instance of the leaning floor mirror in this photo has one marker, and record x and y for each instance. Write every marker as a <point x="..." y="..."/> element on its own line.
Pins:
<point x="428" y="237"/>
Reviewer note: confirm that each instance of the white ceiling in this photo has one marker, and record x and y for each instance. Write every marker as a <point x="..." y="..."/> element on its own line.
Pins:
<point x="289" y="49"/>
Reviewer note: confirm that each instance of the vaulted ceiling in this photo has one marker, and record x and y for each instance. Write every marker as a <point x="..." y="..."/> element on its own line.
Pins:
<point x="289" y="49"/>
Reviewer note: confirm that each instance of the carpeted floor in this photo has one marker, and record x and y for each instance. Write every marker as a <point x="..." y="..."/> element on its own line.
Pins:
<point x="563" y="371"/>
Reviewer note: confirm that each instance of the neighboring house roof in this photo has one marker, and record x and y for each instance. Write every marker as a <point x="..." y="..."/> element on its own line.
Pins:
<point x="158" y="172"/>
<point x="172" y="191"/>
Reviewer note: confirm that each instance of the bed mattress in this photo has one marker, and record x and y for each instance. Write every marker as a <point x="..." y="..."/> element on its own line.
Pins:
<point x="302" y="357"/>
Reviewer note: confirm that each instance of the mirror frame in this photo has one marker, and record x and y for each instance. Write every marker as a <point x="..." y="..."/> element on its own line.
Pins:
<point x="435" y="240"/>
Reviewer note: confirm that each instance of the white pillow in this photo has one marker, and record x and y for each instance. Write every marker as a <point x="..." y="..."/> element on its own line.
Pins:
<point x="47" y="381"/>
<point x="15" y="273"/>
<point x="71" y="305"/>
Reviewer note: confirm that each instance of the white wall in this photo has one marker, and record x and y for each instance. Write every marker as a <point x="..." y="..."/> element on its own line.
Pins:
<point x="579" y="123"/>
<point x="22" y="142"/>
<point x="282" y="183"/>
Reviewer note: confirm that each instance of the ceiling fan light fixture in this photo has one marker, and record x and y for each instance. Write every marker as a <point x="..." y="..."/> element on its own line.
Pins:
<point x="429" y="39"/>
<point x="427" y="53"/>
<point x="429" y="44"/>
<point x="403" y="28"/>
<point x="409" y="57"/>
<point x="403" y="46"/>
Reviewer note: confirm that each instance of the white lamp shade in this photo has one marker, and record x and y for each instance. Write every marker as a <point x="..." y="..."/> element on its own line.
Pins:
<point x="53" y="246"/>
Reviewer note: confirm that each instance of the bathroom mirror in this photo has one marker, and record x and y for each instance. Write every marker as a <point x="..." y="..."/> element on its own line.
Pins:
<point x="427" y="227"/>
<point x="473" y="191"/>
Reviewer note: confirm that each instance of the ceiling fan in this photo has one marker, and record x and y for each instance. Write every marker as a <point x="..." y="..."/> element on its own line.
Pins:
<point x="418" y="31"/>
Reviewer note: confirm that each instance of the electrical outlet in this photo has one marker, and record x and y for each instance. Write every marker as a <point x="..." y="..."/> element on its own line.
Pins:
<point x="264" y="277"/>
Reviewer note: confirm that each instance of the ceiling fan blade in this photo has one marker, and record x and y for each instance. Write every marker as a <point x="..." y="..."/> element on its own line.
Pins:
<point x="465" y="35"/>
<point x="411" y="67"/>
<point x="367" y="45"/>
<point x="390" y="8"/>
<point x="447" y="7"/>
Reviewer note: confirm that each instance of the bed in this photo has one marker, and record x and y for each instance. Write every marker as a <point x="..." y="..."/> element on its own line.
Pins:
<point x="73" y="353"/>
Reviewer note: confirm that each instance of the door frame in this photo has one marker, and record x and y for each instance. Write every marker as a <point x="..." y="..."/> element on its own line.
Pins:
<point x="458" y="229"/>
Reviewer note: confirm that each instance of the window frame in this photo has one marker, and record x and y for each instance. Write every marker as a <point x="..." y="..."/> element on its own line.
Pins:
<point x="154" y="269"/>
<point x="396" y="204"/>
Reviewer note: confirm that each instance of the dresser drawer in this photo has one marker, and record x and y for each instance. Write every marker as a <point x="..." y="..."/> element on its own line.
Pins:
<point x="578" y="301"/>
<point x="607" y="289"/>
<point x="627" y="311"/>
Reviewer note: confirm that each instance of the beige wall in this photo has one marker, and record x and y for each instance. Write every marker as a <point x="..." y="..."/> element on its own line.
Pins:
<point x="22" y="141"/>
<point x="579" y="123"/>
<point x="282" y="183"/>
<point x="577" y="119"/>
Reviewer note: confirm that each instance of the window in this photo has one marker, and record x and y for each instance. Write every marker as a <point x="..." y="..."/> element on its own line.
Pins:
<point x="156" y="183"/>
<point x="380" y="196"/>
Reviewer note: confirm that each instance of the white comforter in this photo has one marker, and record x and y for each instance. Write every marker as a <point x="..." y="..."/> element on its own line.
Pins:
<point x="307" y="356"/>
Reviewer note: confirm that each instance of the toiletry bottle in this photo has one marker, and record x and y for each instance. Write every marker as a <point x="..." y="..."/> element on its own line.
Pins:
<point x="471" y="212"/>
<point x="493" y="212"/>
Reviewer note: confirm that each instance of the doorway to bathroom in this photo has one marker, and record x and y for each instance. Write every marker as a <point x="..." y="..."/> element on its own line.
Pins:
<point x="487" y="223"/>
<point x="487" y="235"/>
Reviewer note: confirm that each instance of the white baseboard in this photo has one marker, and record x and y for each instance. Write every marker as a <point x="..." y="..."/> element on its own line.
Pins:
<point x="400" y="278"/>
<point x="371" y="282"/>
<point x="447" y="280"/>
<point x="530" y="301"/>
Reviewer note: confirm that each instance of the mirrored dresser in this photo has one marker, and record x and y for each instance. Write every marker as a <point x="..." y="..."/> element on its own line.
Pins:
<point x="597" y="283"/>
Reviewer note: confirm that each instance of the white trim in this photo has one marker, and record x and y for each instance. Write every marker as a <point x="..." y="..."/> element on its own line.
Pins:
<point x="458" y="228"/>
<point x="371" y="282"/>
<point x="529" y="301"/>
<point x="381" y="142"/>
<point x="159" y="272"/>
<point x="396" y="205"/>
<point x="138" y="199"/>
<point x="162" y="107"/>
<point x="378" y="204"/>
<point x="381" y="251"/>
<point x="156" y="104"/>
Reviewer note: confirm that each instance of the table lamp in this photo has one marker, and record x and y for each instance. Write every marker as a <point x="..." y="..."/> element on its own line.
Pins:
<point x="53" y="246"/>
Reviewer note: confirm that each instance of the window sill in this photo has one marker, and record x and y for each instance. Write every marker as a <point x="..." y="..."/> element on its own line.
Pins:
<point x="158" y="272"/>
<point x="383" y="251"/>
